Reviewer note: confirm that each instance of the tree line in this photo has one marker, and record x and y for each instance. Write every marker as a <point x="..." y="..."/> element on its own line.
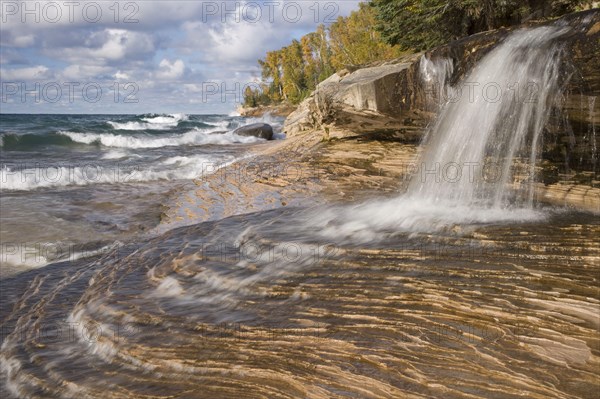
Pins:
<point x="384" y="29"/>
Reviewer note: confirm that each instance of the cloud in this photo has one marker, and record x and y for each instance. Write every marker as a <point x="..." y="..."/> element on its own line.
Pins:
<point x="121" y="76"/>
<point x="24" y="41"/>
<point x="170" y="70"/>
<point x="12" y="56"/>
<point x="170" y="50"/>
<point x="84" y="72"/>
<point x="233" y="42"/>
<point x="24" y="74"/>
<point x="111" y="46"/>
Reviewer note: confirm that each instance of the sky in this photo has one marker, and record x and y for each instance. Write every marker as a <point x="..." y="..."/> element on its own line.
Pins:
<point x="151" y="56"/>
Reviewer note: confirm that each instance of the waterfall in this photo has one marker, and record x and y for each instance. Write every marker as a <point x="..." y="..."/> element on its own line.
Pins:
<point x="478" y="159"/>
<point x="488" y="132"/>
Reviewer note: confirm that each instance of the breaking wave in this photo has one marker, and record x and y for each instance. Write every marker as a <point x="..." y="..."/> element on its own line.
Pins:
<point x="194" y="137"/>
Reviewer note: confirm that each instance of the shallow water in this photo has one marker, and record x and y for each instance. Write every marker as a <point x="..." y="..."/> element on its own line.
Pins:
<point x="74" y="184"/>
<point x="246" y="307"/>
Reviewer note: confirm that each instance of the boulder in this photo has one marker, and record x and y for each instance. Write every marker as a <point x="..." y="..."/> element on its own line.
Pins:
<point x="260" y="130"/>
<point x="378" y="98"/>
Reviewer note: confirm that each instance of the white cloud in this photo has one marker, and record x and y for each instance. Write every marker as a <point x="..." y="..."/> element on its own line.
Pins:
<point x="121" y="75"/>
<point x="233" y="42"/>
<point x="24" y="41"/>
<point x="111" y="46"/>
<point x="83" y="72"/>
<point x="23" y="74"/>
<point x="190" y="46"/>
<point x="193" y="87"/>
<point x="170" y="70"/>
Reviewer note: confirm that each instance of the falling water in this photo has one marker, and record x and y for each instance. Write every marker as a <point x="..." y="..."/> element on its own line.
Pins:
<point x="491" y="124"/>
<point x="592" y="128"/>
<point x="434" y="75"/>
<point x="479" y="157"/>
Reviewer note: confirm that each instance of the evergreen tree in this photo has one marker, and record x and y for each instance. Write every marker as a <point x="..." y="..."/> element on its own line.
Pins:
<point x="422" y="24"/>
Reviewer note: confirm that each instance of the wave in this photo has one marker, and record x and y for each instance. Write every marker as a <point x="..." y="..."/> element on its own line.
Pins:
<point x="275" y="121"/>
<point x="167" y="119"/>
<point x="143" y="131"/>
<point x="12" y="141"/>
<point x="222" y="125"/>
<point x="54" y="176"/>
<point x="161" y="122"/>
<point x="115" y="154"/>
<point x="174" y="168"/>
<point x="194" y="137"/>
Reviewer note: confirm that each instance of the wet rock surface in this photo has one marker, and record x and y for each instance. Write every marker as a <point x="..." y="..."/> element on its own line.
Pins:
<point x="260" y="130"/>
<point x="392" y="99"/>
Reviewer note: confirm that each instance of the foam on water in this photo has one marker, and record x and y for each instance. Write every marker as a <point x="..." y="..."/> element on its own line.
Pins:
<point x="174" y="168"/>
<point x="115" y="154"/>
<point x="222" y="125"/>
<point x="42" y="254"/>
<point x="194" y="137"/>
<point x="366" y="222"/>
<point x="169" y="287"/>
<point x="268" y="118"/>
<point x="163" y="122"/>
<point x="171" y="119"/>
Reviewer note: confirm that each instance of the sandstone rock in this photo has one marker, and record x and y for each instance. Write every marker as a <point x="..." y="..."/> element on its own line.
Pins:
<point x="379" y="98"/>
<point x="282" y="110"/>
<point x="392" y="98"/>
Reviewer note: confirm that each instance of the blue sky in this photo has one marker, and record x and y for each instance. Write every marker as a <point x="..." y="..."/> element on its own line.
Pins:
<point x="143" y="56"/>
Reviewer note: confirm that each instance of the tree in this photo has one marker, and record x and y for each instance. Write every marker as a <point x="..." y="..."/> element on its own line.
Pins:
<point x="354" y="41"/>
<point x="317" y="57"/>
<point x="293" y="72"/>
<point x="293" y="76"/>
<point x="272" y="71"/>
<point x="256" y="96"/>
<point x="422" y="24"/>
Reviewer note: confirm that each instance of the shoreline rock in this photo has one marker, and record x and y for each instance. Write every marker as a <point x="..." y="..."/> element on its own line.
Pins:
<point x="390" y="100"/>
<point x="260" y="130"/>
<point x="282" y="110"/>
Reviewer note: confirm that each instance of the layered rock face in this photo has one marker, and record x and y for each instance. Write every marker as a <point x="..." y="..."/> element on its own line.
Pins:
<point x="396" y="99"/>
<point x="380" y="98"/>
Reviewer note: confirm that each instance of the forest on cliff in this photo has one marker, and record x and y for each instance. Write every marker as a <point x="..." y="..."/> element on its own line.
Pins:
<point x="385" y="29"/>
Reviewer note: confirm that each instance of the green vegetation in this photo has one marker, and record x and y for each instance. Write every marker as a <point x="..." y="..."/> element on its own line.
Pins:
<point x="293" y="72"/>
<point x="381" y="30"/>
<point x="422" y="24"/>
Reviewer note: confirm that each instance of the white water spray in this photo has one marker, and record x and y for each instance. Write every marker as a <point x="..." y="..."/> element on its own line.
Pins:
<point x="488" y="132"/>
<point x="487" y="137"/>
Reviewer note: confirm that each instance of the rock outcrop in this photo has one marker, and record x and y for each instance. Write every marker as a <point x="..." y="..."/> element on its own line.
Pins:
<point x="379" y="98"/>
<point x="395" y="99"/>
<point x="282" y="110"/>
